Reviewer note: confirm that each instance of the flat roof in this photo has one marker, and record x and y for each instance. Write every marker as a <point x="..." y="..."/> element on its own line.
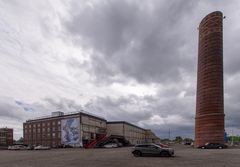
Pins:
<point x="64" y="115"/>
<point x="124" y="122"/>
<point x="6" y="128"/>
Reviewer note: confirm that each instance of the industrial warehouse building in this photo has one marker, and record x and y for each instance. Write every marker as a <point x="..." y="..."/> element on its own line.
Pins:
<point x="132" y="133"/>
<point x="6" y="136"/>
<point x="81" y="129"/>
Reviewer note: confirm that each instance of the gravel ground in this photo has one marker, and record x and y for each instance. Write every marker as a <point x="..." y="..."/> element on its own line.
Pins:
<point x="119" y="157"/>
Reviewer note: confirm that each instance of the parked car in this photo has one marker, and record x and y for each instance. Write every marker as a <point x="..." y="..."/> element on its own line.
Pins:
<point x="40" y="147"/>
<point x="17" y="147"/>
<point x="213" y="146"/>
<point x="110" y="145"/>
<point x="30" y="147"/>
<point x="152" y="149"/>
<point x="187" y="143"/>
<point x="10" y="147"/>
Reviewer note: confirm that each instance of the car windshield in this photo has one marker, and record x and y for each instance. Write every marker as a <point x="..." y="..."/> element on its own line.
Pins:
<point x="157" y="145"/>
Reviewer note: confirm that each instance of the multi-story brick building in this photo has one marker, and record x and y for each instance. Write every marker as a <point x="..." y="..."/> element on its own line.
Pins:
<point x="6" y="136"/>
<point x="59" y="128"/>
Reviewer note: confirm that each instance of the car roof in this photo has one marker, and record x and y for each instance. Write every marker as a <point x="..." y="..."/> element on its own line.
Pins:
<point x="143" y="144"/>
<point x="146" y="144"/>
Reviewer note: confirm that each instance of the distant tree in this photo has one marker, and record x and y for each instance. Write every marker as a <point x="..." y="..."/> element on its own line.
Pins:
<point x="234" y="138"/>
<point x="20" y="140"/>
<point x="187" y="141"/>
<point x="178" y="139"/>
<point x="165" y="141"/>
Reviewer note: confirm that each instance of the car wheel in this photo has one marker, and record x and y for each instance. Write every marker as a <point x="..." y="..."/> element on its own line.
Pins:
<point x="164" y="154"/>
<point x="137" y="153"/>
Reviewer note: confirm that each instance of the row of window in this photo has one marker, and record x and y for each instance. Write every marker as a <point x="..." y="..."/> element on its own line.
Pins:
<point x="49" y="135"/>
<point x="34" y="125"/>
<point x="93" y="122"/>
<point x="39" y="130"/>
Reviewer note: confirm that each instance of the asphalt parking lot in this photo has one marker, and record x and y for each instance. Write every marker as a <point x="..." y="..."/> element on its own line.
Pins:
<point x="185" y="156"/>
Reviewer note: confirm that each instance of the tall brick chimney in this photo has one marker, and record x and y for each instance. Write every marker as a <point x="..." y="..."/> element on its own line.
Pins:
<point x="209" y="123"/>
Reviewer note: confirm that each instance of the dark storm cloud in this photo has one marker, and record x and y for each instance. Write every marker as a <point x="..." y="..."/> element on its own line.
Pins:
<point x="151" y="52"/>
<point x="143" y="40"/>
<point x="10" y="111"/>
<point x="232" y="105"/>
<point x="231" y="38"/>
<point x="150" y="44"/>
<point x="232" y="115"/>
<point x="10" y="108"/>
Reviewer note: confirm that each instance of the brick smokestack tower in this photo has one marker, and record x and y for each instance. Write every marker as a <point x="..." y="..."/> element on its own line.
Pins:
<point x="209" y="125"/>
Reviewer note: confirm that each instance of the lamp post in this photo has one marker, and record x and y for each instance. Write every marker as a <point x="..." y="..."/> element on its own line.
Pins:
<point x="169" y="135"/>
<point x="232" y="138"/>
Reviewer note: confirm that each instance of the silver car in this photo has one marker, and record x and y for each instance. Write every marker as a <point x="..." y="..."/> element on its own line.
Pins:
<point x="152" y="149"/>
<point x="40" y="147"/>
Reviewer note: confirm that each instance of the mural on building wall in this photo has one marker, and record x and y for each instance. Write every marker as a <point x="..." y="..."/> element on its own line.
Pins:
<point x="70" y="131"/>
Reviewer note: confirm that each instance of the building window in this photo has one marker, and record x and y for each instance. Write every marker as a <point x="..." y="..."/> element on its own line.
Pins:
<point x="92" y="135"/>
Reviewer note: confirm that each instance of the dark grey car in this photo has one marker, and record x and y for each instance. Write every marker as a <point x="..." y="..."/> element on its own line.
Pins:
<point x="152" y="149"/>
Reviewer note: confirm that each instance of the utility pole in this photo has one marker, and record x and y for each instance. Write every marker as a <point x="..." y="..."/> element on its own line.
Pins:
<point x="169" y="135"/>
<point x="232" y="138"/>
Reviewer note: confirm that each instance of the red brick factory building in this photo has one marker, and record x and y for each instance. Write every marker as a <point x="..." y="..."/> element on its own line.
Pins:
<point x="209" y="125"/>
<point x="6" y="136"/>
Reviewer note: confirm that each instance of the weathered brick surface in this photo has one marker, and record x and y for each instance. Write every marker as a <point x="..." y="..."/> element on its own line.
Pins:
<point x="209" y="126"/>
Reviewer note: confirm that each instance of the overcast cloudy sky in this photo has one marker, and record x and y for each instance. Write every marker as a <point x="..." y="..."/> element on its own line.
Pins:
<point x="121" y="59"/>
